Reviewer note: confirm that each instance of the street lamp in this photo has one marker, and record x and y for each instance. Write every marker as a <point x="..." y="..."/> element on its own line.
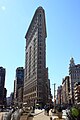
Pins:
<point x="54" y="98"/>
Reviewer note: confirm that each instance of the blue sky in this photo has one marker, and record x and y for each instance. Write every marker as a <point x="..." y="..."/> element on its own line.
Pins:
<point x="63" y="36"/>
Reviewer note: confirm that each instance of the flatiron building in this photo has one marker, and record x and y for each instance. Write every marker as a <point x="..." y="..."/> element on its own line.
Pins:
<point x="36" y="83"/>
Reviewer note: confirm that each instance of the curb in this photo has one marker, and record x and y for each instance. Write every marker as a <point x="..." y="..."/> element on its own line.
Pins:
<point x="34" y="114"/>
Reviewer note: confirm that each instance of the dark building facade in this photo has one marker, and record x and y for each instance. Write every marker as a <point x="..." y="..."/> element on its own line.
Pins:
<point x="2" y="84"/>
<point x="15" y="91"/>
<point x="18" y="83"/>
<point x="10" y="100"/>
<point x="5" y="99"/>
<point x="20" y="96"/>
<point x="36" y="84"/>
<point x="66" y="91"/>
<point x="19" y="77"/>
<point x="59" y="95"/>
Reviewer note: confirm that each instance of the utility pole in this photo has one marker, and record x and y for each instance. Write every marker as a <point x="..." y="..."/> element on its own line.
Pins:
<point x="54" y="98"/>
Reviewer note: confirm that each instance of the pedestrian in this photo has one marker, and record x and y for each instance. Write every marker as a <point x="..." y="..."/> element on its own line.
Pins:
<point x="48" y="110"/>
<point x="33" y="109"/>
<point x="45" y="109"/>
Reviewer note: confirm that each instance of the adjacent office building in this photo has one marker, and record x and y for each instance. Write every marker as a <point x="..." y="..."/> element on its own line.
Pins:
<point x="36" y="82"/>
<point x="15" y="91"/>
<point x="66" y="91"/>
<point x="18" y="84"/>
<point x="59" y="95"/>
<point x="10" y="100"/>
<point x="20" y="77"/>
<point x="5" y="99"/>
<point x="2" y="85"/>
<point x="74" y="73"/>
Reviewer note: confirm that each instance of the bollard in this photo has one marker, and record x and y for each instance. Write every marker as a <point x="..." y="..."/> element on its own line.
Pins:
<point x="50" y="118"/>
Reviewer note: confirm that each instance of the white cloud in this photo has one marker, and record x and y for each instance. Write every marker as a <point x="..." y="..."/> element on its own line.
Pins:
<point x="3" y="8"/>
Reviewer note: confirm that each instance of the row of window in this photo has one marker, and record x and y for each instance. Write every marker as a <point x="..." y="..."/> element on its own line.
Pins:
<point x="74" y="72"/>
<point x="27" y="91"/>
<point x="28" y="97"/>
<point x="76" y="76"/>
<point x="31" y="35"/>
<point x="30" y="77"/>
<point x="32" y="66"/>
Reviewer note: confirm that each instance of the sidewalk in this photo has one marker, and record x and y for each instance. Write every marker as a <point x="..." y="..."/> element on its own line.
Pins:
<point x="36" y="115"/>
<point x="37" y="111"/>
<point x="0" y="115"/>
<point x="41" y="116"/>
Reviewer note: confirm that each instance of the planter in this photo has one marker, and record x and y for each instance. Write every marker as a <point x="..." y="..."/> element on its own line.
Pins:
<point x="60" y="115"/>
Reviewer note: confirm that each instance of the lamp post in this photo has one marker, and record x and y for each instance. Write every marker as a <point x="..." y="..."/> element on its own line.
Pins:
<point x="54" y="98"/>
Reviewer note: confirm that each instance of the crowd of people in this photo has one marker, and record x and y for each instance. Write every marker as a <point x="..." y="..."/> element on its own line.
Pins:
<point x="72" y="113"/>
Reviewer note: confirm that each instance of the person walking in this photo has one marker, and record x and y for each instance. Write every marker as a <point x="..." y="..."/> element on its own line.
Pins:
<point x="48" y="110"/>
